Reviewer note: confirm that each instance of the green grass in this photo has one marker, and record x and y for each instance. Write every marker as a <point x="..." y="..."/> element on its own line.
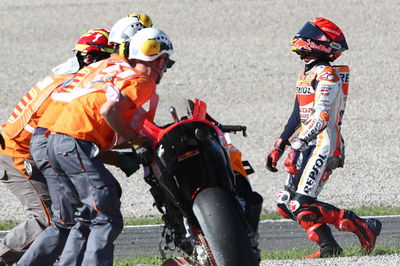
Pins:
<point x="361" y="211"/>
<point x="376" y="211"/>
<point x="142" y="221"/>
<point x="148" y="260"/>
<point x="7" y="225"/>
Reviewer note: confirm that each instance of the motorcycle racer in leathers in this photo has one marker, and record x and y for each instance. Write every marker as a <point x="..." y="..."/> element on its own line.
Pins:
<point x="316" y="146"/>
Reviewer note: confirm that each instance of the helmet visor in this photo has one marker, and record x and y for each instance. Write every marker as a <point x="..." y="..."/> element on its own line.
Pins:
<point x="311" y="31"/>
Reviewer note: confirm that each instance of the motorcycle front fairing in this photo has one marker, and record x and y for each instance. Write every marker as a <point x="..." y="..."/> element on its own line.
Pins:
<point x="188" y="162"/>
<point x="188" y="167"/>
<point x="189" y="156"/>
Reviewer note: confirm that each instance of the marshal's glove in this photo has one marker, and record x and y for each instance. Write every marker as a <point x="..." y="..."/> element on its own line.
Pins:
<point x="130" y="162"/>
<point x="290" y="162"/>
<point x="274" y="155"/>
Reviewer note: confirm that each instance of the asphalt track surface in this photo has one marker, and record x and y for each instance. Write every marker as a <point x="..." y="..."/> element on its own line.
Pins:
<point x="274" y="236"/>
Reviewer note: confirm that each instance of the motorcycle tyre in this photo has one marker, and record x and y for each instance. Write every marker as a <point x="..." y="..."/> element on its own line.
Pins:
<point x="223" y="229"/>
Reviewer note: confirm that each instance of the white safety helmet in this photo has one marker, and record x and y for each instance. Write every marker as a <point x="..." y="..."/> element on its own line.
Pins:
<point x="128" y="26"/>
<point x="149" y="44"/>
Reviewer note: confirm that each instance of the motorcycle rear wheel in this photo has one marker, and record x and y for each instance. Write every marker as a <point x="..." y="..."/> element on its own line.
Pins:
<point x="223" y="229"/>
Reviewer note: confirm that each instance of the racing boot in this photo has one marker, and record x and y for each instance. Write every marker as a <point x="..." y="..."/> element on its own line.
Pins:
<point x="322" y="235"/>
<point x="366" y="230"/>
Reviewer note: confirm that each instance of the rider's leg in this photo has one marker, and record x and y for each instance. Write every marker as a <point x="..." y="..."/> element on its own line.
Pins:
<point x="316" y="172"/>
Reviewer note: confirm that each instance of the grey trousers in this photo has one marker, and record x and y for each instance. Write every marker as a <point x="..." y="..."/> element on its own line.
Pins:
<point x="35" y="199"/>
<point x="99" y="214"/>
<point x="50" y="243"/>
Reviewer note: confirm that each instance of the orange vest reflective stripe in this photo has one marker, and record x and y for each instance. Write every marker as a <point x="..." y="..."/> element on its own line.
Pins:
<point x="29" y="104"/>
<point x="141" y="114"/>
<point x="107" y="75"/>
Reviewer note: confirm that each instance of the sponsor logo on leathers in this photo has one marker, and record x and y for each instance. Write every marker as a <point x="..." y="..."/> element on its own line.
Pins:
<point x="315" y="171"/>
<point x="305" y="90"/>
<point x="344" y="77"/>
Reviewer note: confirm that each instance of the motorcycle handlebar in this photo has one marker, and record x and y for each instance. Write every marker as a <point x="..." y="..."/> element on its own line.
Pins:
<point x="233" y="129"/>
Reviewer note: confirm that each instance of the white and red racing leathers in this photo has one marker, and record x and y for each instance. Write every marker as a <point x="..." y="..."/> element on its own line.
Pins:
<point x="321" y="95"/>
<point x="320" y="99"/>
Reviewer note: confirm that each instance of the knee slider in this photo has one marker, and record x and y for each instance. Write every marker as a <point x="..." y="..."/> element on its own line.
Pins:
<point x="283" y="197"/>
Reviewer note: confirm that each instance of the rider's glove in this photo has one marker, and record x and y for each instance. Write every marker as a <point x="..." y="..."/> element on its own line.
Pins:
<point x="2" y="143"/>
<point x="130" y="162"/>
<point x="274" y="155"/>
<point x="290" y="162"/>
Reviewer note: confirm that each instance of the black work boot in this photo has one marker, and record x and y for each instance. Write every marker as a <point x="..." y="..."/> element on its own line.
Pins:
<point x="328" y="245"/>
<point x="11" y="257"/>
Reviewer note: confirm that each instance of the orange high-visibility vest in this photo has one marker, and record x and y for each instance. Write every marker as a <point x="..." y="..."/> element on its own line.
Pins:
<point x="113" y="75"/>
<point x="18" y="130"/>
<point x="21" y="116"/>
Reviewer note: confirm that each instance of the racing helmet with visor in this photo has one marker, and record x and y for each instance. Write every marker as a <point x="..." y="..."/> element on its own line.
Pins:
<point x="320" y="38"/>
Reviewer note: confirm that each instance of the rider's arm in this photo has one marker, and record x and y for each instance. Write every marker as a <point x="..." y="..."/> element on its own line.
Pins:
<point x="326" y="92"/>
<point x="292" y="124"/>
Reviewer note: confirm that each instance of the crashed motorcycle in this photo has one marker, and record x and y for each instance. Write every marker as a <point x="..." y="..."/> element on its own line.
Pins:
<point x="199" y="184"/>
